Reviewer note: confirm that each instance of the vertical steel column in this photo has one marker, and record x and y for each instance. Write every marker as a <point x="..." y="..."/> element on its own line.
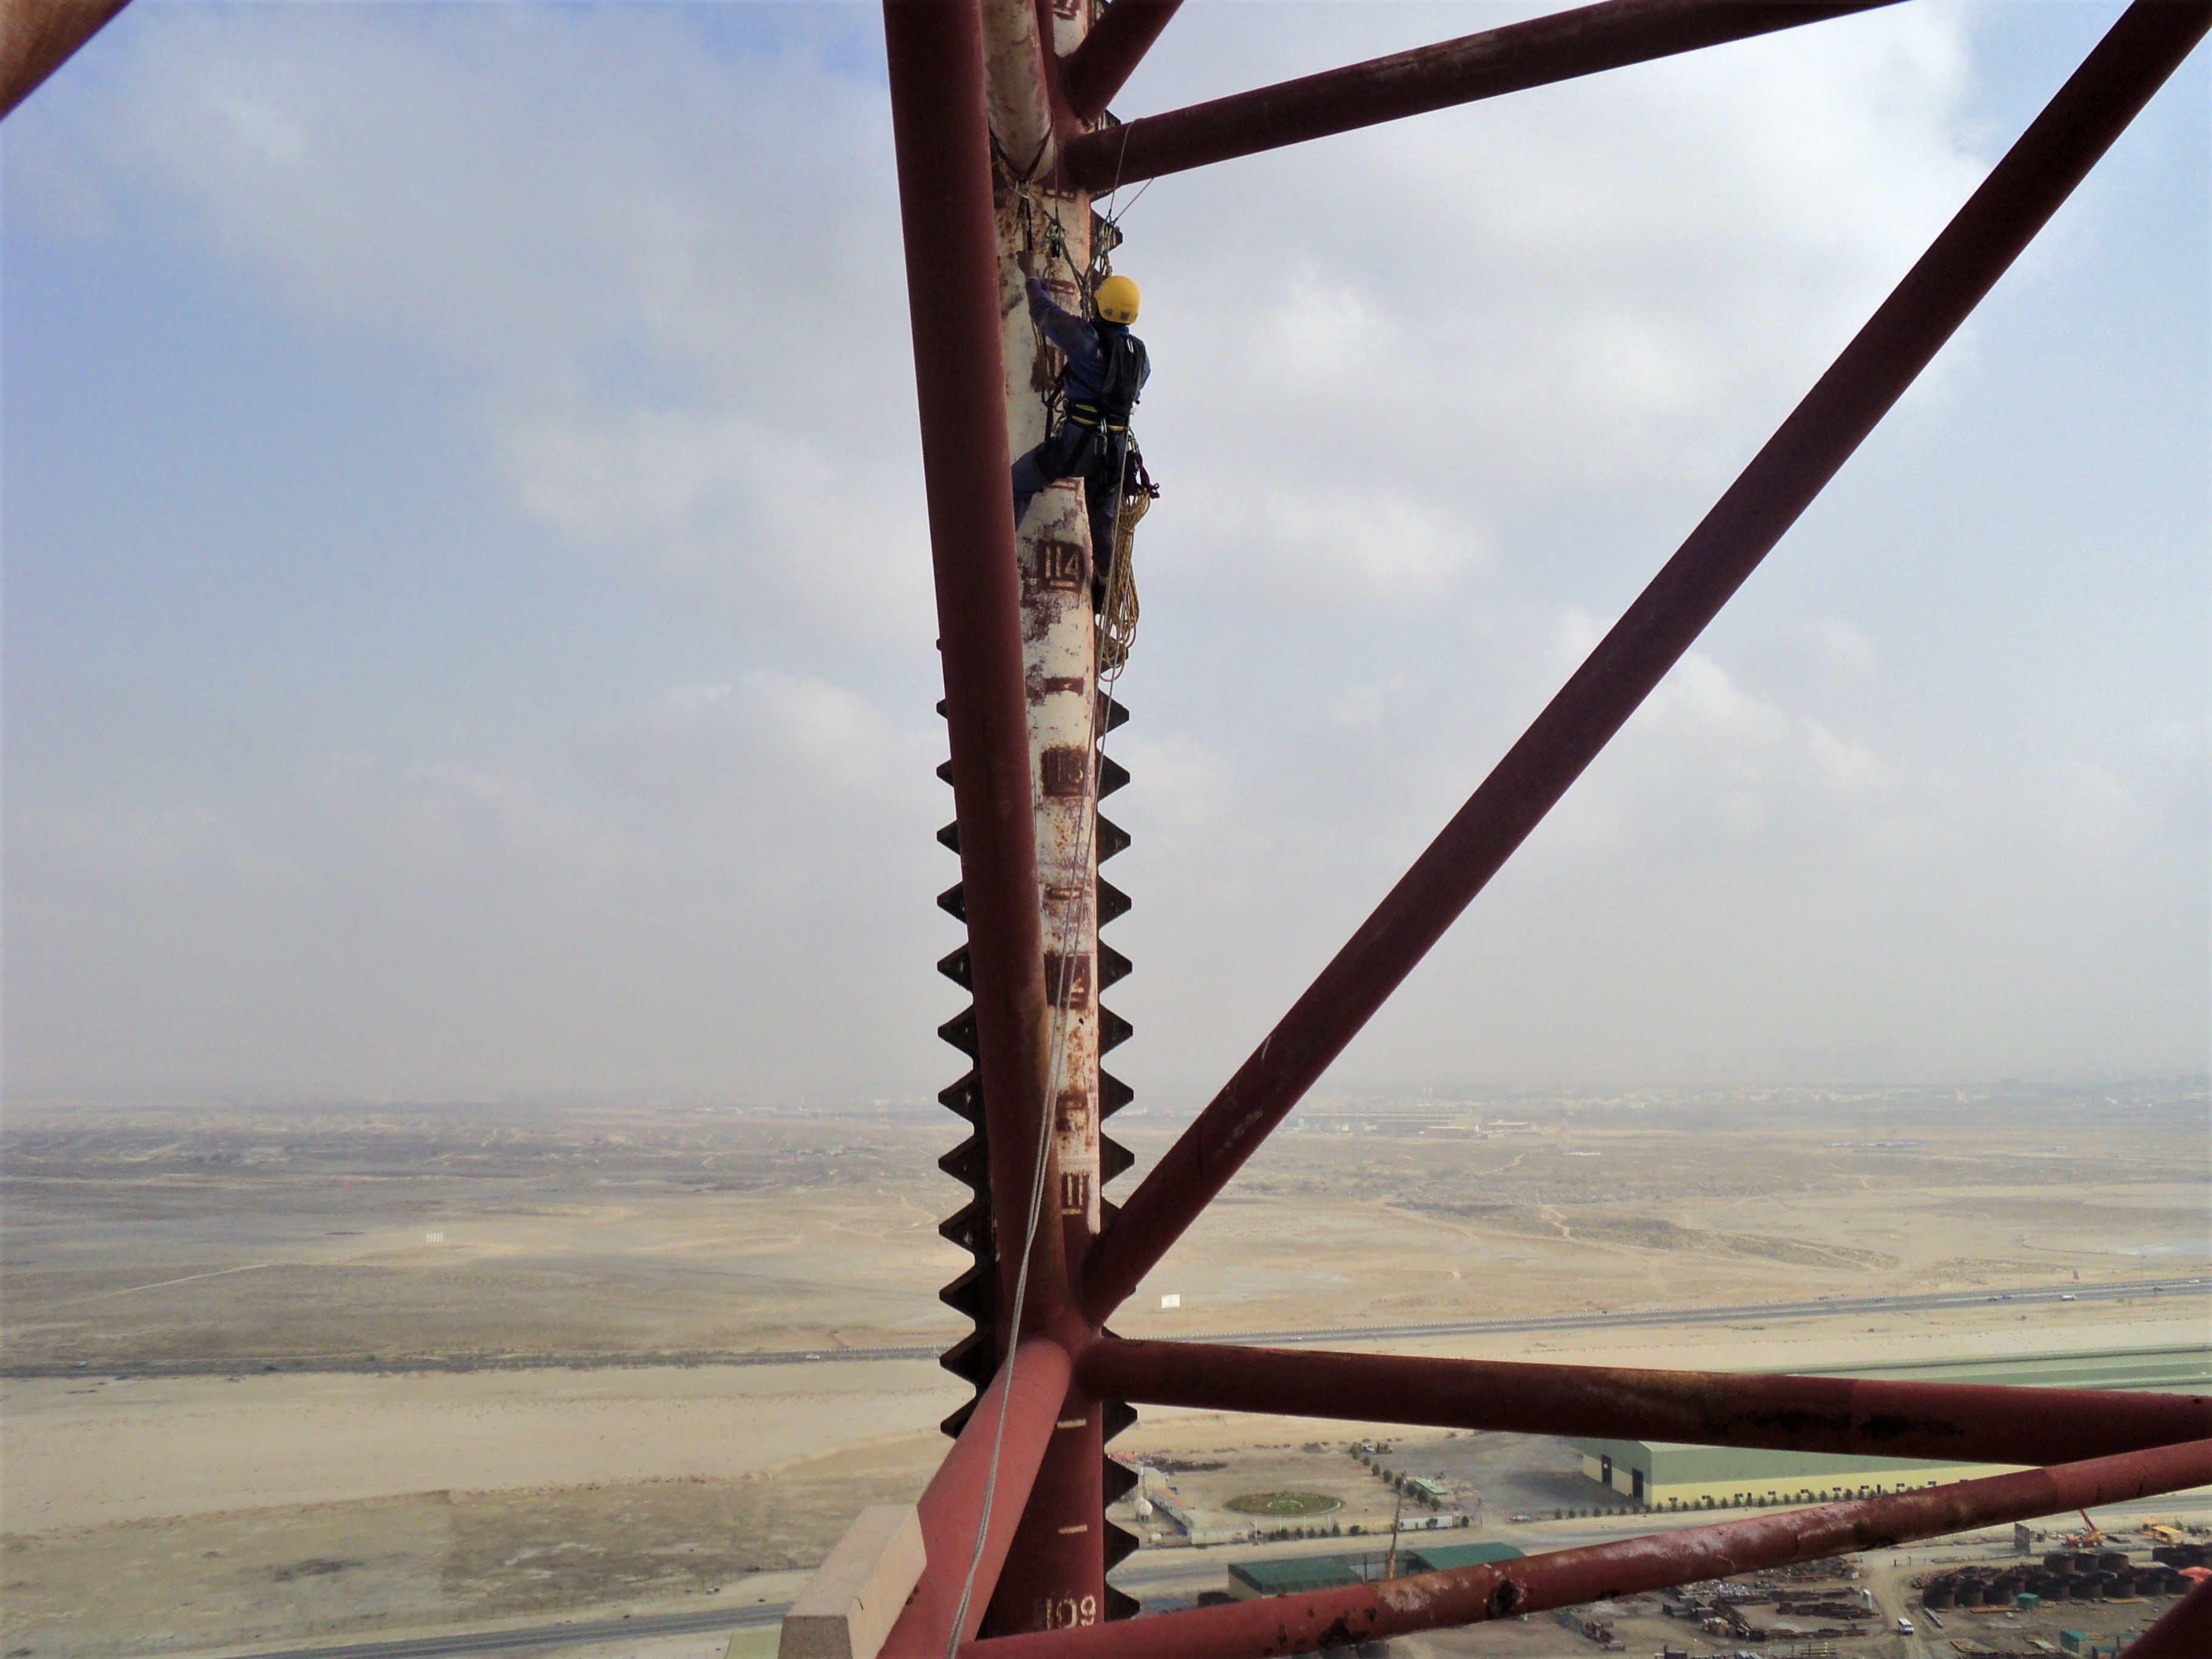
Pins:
<point x="952" y="1506"/>
<point x="1017" y="99"/>
<point x="1055" y="1577"/>
<point x="935" y="52"/>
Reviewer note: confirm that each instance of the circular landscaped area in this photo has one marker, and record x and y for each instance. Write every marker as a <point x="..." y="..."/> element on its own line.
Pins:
<point x="1284" y="1505"/>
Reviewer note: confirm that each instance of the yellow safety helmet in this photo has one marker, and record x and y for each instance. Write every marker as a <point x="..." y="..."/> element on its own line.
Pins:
<point x="1116" y="300"/>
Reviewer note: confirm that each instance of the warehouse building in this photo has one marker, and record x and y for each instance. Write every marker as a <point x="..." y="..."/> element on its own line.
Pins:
<point x="1250" y="1580"/>
<point x="1664" y="1475"/>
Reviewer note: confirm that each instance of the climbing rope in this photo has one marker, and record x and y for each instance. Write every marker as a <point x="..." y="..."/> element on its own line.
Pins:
<point x="1117" y="616"/>
<point x="1115" y="626"/>
<point x="1057" y="1039"/>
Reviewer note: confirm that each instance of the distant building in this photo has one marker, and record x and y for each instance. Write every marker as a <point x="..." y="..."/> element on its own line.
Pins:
<point x="1249" y="1580"/>
<point x="1662" y="1475"/>
<point x="1450" y="1558"/>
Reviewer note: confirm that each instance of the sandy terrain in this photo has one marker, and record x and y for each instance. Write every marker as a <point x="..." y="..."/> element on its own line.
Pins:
<point x="197" y="1445"/>
<point x="350" y="1490"/>
<point x="137" y="1238"/>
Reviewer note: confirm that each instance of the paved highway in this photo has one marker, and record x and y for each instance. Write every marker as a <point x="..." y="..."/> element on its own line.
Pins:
<point x="1820" y="1307"/>
<point x="570" y="1635"/>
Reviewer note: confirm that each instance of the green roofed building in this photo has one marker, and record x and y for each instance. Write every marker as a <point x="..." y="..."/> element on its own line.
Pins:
<point x="1661" y="1474"/>
<point x="1249" y="1580"/>
<point x="1450" y="1558"/>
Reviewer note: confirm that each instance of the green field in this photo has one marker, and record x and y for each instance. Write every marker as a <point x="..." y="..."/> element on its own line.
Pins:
<point x="1284" y="1505"/>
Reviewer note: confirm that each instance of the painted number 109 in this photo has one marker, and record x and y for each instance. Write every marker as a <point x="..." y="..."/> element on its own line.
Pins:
<point x="1066" y="1612"/>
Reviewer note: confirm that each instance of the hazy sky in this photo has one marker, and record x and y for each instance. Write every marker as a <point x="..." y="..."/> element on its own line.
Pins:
<point x="467" y="610"/>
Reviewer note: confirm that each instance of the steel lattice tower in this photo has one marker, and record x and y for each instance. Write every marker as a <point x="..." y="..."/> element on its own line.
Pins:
<point x="1000" y="121"/>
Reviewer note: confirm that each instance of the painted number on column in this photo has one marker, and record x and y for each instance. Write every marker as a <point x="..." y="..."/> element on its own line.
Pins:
<point x="1068" y="977"/>
<point x="1066" y="1612"/>
<point x="1066" y="770"/>
<point x="1075" y="1193"/>
<point x="1061" y="564"/>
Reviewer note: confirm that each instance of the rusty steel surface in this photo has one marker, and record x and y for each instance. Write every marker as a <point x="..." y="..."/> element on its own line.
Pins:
<point x="1954" y="1422"/>
<point x="1091" y="74"/>
<point x="2059" y="147"/>
<point x="1056" y="1572"/>
<point x="952" y="1505"/>
<point x="37" y="36"/>
<point x="2183" y="1632"/>
<point x="935" y="53"/>
<point x="1060" y="668"/>
<point x="1510" y="59"/>
<point x="1282" y="1624"/>
<point x="1015" y="88"/>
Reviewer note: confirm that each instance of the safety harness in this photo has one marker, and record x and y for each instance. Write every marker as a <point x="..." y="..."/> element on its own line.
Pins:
<point x="1117" y="390"/>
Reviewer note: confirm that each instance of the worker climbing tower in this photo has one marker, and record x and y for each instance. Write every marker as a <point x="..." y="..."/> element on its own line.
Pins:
<point x="1049" y="230"/>
<point x="998" y="120"/>
<point x="998" y="117"/>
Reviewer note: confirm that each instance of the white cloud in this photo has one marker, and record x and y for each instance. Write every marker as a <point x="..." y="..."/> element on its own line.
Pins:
<point x="1603" y="285"/>
<point x="2091" y="810"/>
<point x="684" y="355"/>
<point x="1430" y="402"/>
<point x="1838" y="648"/>
<point x="1364" y="707"/>
<point x="149" y="846"/>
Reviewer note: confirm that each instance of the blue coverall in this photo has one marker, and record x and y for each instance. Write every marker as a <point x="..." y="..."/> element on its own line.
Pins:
<point x="1087" y="450"/>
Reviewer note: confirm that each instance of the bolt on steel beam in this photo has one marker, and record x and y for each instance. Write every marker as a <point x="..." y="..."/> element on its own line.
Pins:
<point x="1954" y="1422"/>
<point x="1277" y="1625"/>
<point x="2059" y="147"/>
<point x="1509" y="59"/>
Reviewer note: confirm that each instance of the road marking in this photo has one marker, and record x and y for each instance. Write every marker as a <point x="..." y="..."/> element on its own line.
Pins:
<point x="571" y="1634"/>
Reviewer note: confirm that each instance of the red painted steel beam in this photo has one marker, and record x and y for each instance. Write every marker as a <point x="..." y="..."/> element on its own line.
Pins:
<point x="1510" y="59"/>
<point x="39" y="36"/>
<point x="2184" y="1632"/>
<point x="1281" y="1624"/>
<point x="943" y="141"/>
<point x="2026" y="188"/>
<point x="1091" y="74"/>
<point x="1954" y="1422"/>
<point x="952" y="1506"/>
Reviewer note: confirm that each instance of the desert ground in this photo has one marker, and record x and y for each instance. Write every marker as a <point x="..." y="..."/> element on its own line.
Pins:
<point x="280" y="1375"/>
